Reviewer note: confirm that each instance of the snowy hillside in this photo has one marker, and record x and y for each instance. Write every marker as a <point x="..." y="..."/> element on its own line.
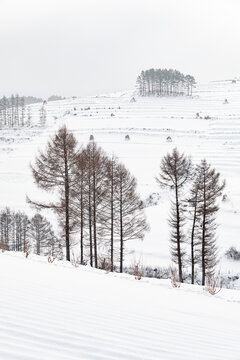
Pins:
<point x="213" y="134"/>
<point x="59" y="312"/>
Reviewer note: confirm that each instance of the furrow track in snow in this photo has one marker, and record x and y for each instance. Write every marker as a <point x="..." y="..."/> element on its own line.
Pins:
<point x="55" y="312"/>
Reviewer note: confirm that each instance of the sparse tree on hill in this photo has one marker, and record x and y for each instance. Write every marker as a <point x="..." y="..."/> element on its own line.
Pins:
<point x="194" y="210"/>
<point x="175" y="171"/>
<point x="12" y="111"/>
<point x="43" y="239"/>
<point x="164" y="82"/>
<point x="41" y="233"/>
<point x="14" y="229"/>
<point x="80" y="203"/>
<point x="95" y="161"/>
<point x="210" y="188"/>
<point x="54" y="171"/>
<point x="21" y="226"/>
<point x="6" y="221"/>
<point x="29" y="116"/>
<point x="112" y="171"/>
<point x="131" y="221"/>
<point x="22" y="104"/>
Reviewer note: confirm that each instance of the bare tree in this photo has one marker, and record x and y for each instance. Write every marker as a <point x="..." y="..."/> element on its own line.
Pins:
<point x="107" y="206"/>
<point x="109" y="214"/>
<point x="112" y="176"/>
<point x="54" y="171"/>
<point x="6" y="220"/>
<point x="41" y="233"/>
<point x="80" y="202"/>
<point x="175" y="171"/>
<point x="14" y="230"/>
<point x="22" y="223"/>
<point x="194" y="211"/>
<point x="22" y="104"/>
<point x="16" y="115"/>
<point x="131" y="220"/>
<point x="29" y="116"/>
<point x="95" y="161"/>
<point x="210" y="189"/>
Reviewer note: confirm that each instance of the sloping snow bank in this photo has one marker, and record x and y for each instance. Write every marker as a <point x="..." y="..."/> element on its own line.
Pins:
<point x="57" y="311"/>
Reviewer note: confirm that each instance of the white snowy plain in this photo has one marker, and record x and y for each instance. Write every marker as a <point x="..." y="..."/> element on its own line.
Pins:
<point x="148" y="121"/>
<point x="59" y="312"/>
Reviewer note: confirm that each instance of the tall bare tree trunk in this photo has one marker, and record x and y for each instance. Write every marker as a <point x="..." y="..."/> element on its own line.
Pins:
<point x="178" y="235"/>
<point x="121" y="227"/>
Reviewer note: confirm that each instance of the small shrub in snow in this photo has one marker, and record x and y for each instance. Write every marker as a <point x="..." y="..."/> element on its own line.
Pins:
<point x="224" y="197"/>
<point x="148" y="271"/>
<point x="229" y="281"/>
<point x="74" y="261"/>
<point x="104" y="264"/>
<point x="137" y="272"/>
<point x="51" y="259"/>
<point x="174" y="282"/>
<point x="214" y="285"/>
<point x="233" y="253"/>
<point x="152" y="200"/>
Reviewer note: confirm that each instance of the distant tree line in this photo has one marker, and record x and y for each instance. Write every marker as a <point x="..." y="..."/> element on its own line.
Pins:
<point x="98" y="205"/>
<point x="164" y="82"/>
<point x="32" y="100"/>
<point x="55" y="97"/>
<point x="195" y="190"/>
<point x="18" y="232"/>
<point x="15" y="113"/>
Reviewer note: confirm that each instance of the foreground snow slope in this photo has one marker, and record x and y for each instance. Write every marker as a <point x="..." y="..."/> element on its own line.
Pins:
<point x="56" y="311"/>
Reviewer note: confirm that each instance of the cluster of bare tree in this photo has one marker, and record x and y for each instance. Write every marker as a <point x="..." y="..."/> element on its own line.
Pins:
<point x="18" y="232"/>
<point x="97" y="200"/>
<point x="194" y="205"/>
<point x="13" y="111"/>
<point x="163" y="82"/>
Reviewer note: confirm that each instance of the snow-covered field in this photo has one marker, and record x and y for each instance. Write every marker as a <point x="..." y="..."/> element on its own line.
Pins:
<point x="148" y="121"/>
<point x="59" y="312"/>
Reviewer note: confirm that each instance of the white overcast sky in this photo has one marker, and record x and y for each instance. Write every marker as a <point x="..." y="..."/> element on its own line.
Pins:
<point x="89" y="47"/>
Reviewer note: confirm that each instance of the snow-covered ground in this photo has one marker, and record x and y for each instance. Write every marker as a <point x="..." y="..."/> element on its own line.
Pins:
<point x="59" y="312"/>
<point x="215" y="135"/>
